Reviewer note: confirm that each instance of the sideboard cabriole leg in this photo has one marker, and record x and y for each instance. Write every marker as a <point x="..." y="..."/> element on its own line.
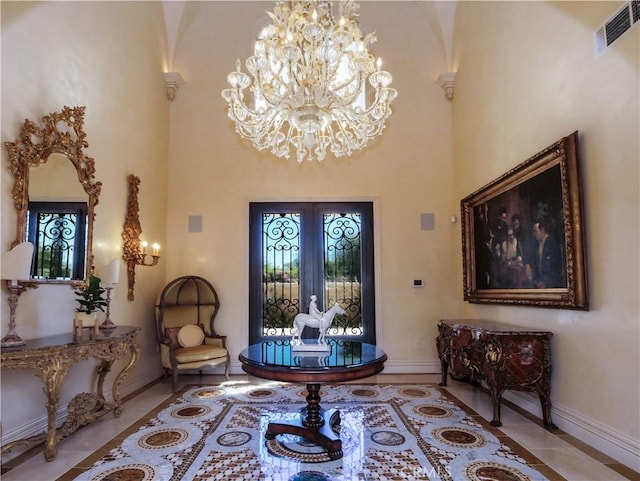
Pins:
<point x="441" y="343"/>
<point x="544" y="386"/>
<point x="444" y="368"/>
<point x="496" y="400"/>
<point x="545" y="401"/>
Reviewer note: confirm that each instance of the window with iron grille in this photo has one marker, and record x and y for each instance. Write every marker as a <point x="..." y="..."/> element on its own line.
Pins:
<point x="57" y="231"/>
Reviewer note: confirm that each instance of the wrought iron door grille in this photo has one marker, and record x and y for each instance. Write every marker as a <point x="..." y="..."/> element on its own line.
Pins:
<point x="342" y="270"/>
<point x="281" y="244"/>
<point x="281" y="283"/>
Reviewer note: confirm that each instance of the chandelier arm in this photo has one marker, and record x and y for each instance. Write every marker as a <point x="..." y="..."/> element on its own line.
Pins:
<point x="285" y="143"/>
<point x="276" y="78"/>
<point x="342" y="122"/>
<point x="292" y="75"/>
<point x="337" y="147"/>
<point x="237" y="100"/>
<point x="349" y="100"/>
<point x="375" y="104"/>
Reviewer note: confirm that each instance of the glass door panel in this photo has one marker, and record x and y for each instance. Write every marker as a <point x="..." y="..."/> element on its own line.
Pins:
<point x="303" y="249"/>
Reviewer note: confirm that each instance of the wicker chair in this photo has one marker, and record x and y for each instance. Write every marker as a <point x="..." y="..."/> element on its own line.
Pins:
<point x="185" y="312"/>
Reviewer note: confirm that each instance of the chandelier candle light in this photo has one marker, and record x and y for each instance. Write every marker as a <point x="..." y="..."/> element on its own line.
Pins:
<point x="308" y="85"/>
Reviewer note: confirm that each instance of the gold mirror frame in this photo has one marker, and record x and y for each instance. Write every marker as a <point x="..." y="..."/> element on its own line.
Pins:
<point x="61" y="132"/>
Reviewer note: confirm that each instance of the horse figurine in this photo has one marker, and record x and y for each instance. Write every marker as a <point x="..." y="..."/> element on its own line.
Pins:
<point x="301" y="320"/>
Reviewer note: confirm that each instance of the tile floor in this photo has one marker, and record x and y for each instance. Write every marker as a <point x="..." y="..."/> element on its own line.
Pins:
<point x="559" y="450"/>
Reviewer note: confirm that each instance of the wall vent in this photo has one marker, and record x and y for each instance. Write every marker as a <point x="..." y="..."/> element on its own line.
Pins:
<point x="620" y="23"/>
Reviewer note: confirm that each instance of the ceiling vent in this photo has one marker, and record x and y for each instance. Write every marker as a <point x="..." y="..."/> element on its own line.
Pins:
<point x="620" y="23"/>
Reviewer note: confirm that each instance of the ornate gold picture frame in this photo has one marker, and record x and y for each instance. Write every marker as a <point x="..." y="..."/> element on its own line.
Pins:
<point x="523" y="236"/>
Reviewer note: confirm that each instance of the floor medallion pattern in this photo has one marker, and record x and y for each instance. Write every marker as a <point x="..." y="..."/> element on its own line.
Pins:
<point x="388" y="432"/>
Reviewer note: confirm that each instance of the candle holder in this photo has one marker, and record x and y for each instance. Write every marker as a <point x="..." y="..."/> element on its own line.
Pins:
<point x="16" y="266"/>
<point x="133" y="250"/>
<point x="12" y="339"/>
<point x="109" y="275"/>
<point x="108" y="323"/>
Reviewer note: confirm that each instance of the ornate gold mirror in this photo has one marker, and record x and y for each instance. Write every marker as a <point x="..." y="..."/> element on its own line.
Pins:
<point x="55" y="194"/>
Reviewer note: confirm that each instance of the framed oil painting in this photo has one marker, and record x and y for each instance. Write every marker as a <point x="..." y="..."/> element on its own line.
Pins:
<point x="522" y="234"/>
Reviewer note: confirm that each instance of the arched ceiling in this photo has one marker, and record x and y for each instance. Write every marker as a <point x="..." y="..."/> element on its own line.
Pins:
<point x="438" y="15"/>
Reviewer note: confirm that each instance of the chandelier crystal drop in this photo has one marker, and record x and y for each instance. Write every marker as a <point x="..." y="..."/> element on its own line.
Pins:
<point x="312" y="84"/>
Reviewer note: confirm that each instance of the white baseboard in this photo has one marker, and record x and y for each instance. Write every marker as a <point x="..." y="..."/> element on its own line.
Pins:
<point x="619" y="446"/>
<point x="411" y="367"/>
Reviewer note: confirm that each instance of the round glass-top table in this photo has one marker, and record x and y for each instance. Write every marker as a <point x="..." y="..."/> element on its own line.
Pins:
<point x="344" y="361"/>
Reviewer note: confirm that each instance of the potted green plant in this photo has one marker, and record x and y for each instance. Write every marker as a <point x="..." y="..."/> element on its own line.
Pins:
<point x="90" y="300"/>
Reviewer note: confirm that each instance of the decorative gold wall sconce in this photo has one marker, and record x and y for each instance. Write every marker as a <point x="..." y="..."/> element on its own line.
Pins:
<point x="134" y="252"/>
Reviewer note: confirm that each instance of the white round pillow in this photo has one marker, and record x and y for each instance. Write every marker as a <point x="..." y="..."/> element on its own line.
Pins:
<point x="190" y="335"/>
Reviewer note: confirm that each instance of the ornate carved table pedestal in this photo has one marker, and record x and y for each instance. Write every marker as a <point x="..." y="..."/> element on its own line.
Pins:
<point x="347" y="360"/>
<point x="52" y="357"/>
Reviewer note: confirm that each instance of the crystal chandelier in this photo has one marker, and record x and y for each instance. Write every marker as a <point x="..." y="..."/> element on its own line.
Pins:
<point x="308" y="85"/>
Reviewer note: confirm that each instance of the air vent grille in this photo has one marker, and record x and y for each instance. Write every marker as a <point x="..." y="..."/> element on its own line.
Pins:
<point x="620" y="23"/>
<point x="635" y="10"/>
<point x="617" y="26"/>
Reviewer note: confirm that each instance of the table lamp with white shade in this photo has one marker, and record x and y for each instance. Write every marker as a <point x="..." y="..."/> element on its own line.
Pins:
<point x="15" y="268"/>
<point x="109" y="276"/>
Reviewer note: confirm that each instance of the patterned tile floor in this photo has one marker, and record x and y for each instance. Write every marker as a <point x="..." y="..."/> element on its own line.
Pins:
<point x="569" y="458"/>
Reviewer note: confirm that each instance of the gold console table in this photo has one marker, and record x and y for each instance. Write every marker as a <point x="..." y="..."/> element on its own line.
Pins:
<point x="52" y="357"/>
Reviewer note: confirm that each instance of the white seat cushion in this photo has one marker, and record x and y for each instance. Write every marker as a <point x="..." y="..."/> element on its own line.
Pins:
<point x="199" y="354"/>
<point x="190" y="335"/>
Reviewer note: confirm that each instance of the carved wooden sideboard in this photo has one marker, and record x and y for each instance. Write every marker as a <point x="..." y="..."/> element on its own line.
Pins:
<point x="52" y="357"/>
<point x="503" y="357"/>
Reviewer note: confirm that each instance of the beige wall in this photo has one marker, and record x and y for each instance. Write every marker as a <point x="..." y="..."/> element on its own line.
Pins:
<point x="408" y="171"/>
<point x="527" y="76"/>
<point x="514" y="96"/>
<point x="107" y="57"/>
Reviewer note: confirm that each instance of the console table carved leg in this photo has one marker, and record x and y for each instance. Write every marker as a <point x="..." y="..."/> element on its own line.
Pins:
<point x="51" y="372"/>
<point x="53" y="363"/>
<point x="103" y="369"/>
<point x="134" y="349"/>
<point x="315" y="425"/>
<point x="52" y="376"/>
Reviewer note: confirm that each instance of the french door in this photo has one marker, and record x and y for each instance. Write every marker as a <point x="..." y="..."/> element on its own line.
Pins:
<point x="308" y="248"/>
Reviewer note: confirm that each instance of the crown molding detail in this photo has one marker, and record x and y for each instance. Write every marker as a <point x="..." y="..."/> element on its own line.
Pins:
<point x="447" y="81"/>
<point x="173" y="81"/>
